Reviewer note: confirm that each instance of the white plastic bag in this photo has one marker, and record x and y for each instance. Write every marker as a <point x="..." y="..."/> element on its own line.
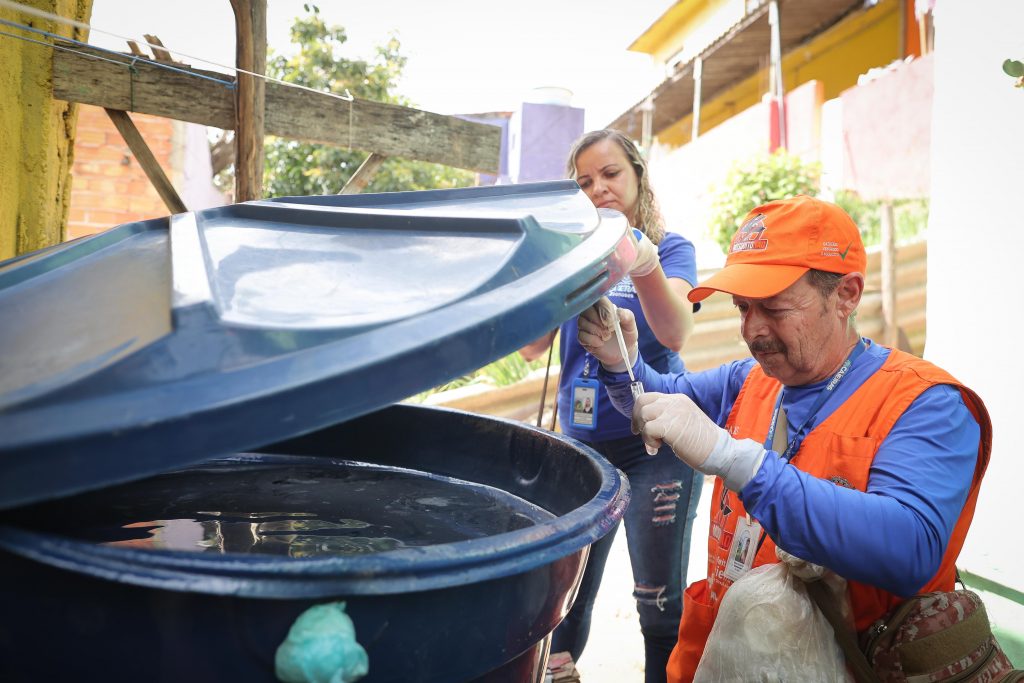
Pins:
<point x="768" y="629"/>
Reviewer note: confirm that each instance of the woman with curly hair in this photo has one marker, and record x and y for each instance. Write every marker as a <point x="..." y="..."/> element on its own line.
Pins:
<point x="665" y="491"/>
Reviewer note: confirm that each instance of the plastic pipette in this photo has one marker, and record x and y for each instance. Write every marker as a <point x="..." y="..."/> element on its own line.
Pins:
<point x="634" y="386"/>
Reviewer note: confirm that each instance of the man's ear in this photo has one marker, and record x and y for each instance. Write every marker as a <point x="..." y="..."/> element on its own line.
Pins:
<point x="849" y="292"/>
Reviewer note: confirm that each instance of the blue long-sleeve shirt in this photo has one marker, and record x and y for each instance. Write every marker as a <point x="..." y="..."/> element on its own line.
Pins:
<point x="892" y="536"/>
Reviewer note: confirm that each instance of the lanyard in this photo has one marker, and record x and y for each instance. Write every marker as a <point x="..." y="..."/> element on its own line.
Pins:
<point x="823" y="396"/>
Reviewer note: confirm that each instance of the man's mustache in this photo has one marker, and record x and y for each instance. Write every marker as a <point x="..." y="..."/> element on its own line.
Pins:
<point x="766" y="346"/>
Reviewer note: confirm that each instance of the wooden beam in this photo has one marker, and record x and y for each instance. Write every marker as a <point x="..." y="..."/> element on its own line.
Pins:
<point x="146" y="160"/>
<point x="250" y="56"/>
<point x="387" y="129"/>
<point x="222" y="153"/>
<point x="136" y="52"/>
<point x="890" y="327"/>
<point x="364" y="174"/>
<point x="159" y="51"/>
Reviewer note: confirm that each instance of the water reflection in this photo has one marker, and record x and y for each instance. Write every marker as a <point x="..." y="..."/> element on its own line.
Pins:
<point x="347" y="509"/>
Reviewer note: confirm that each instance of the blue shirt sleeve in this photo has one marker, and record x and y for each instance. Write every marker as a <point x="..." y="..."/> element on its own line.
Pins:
<point x="894" y="535"/>
<point x="678" y="257"/>
<point x="714" y="391"/>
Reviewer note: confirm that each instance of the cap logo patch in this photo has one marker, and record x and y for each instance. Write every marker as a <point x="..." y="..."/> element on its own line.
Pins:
<point x="751" y="236"/>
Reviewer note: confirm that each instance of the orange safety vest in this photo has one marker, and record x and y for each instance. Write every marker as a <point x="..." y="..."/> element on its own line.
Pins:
<point x="840" y="449"/>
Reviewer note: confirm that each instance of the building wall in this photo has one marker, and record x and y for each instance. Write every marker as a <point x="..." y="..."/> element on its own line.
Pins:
<point x="685" y="178"/>
<point x="976" y="171"/>
<point x="836" y="58"/>
<point x="887" y="128"/>
<point x="540" y="137"/>
<point x="108" y="185"/>
<point x="880" y="128"/>
<point x="190" y="155"/>
<point x="36" y="133"/>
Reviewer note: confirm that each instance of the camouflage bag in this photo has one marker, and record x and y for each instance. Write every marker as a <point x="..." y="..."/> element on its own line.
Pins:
<point x="936" y="637"/>
<point x="942" y="636"/>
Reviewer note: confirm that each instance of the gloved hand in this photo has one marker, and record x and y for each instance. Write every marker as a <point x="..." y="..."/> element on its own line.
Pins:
<point x="646" y="255"/>
<point x="596" y="331"/>
<point x="676" y="420"/>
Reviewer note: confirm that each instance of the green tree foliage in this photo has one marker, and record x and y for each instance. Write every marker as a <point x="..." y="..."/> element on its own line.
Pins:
<point x="753" y="182"/>
<point x="301" y="168"/>
<point x="910" y="216"/>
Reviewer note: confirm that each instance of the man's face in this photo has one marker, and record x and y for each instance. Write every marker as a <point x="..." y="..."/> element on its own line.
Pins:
<point x="797" y="336"/>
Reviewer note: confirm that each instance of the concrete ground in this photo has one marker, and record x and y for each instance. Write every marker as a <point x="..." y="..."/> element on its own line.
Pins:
<point x="615" y="650"/>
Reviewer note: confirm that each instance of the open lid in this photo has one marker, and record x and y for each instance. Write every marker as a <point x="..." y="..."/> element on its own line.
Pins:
<point x="163" y="343"/>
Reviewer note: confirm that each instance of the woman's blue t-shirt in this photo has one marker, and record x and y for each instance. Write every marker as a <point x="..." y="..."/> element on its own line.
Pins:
<point x="678" y="259"/>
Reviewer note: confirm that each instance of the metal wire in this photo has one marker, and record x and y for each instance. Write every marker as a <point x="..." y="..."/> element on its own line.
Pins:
<point x="130" y="65"/>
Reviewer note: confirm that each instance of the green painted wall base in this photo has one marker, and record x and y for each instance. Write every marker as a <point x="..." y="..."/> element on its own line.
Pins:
<point x="1005" y="607"/>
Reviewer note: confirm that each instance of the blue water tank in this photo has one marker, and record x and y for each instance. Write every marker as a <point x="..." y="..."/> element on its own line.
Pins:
<point x="178" y="366"/>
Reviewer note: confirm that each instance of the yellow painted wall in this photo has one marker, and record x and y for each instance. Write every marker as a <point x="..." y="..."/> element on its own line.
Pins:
<point x="36" y="133"/>
<point x="836" y="58"/>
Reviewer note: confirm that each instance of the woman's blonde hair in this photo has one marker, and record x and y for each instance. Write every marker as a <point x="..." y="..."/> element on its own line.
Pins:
<point x="648" y="216"/>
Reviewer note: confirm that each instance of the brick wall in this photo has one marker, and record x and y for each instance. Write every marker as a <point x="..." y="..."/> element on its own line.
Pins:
<point x="108" y="186"/>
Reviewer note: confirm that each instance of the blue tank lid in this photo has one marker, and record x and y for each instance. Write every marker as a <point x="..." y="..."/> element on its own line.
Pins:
<point x="163" y="343"/>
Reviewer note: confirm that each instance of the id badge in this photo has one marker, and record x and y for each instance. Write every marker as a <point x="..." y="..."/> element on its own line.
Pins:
<point x="583" y="403"/>
<point x="743" y="548"/>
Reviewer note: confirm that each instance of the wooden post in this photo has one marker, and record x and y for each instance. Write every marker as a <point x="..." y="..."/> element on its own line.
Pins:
<point x="647" y="124"/>
<point x="126" y="127"/>
<point x="364" y="174"/>
<point x="775" y="50"/>
<point x="891" y="328"/>
<point x="698" y="75"/>
<point x="250" y="55"/>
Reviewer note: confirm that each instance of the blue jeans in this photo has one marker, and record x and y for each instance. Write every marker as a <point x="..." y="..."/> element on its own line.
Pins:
<point x="659" y="519"/>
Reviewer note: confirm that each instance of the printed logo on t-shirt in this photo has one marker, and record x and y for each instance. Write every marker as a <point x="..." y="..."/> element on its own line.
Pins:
<point x="624" y="289"/>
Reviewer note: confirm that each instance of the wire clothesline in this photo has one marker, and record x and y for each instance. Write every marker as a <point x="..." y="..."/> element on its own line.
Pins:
<point x="42" y="14"/>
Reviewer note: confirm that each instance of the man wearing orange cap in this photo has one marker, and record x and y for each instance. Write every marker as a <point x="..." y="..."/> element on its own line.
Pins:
<point x="843" y="452"/>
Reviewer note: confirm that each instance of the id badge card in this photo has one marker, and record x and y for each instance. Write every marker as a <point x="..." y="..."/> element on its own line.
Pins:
<point x="743" y="548"/>
<point x="583" y="403"/>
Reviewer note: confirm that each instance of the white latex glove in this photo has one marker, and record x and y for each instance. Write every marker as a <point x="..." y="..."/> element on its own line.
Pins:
<point x="646" y="255"/>
<point x="596" y="331"/>
<point x="674" y="419"/>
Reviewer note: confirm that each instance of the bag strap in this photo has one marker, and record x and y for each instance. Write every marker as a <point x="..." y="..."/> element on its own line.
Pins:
<point x="845" y="636"/>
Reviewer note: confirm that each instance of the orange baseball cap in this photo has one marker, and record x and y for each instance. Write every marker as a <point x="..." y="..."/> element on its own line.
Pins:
<point x="782" y="240"/>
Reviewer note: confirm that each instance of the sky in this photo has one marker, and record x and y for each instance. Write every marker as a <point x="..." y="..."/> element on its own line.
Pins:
<point x="463" y="57"/>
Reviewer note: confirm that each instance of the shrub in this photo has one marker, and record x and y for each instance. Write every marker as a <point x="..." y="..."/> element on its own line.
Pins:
<point x="753" y="182"/>
<point x="910" y="216"/>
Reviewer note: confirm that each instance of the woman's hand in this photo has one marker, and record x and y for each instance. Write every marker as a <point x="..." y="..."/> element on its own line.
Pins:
<point x="646" y="256"/>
